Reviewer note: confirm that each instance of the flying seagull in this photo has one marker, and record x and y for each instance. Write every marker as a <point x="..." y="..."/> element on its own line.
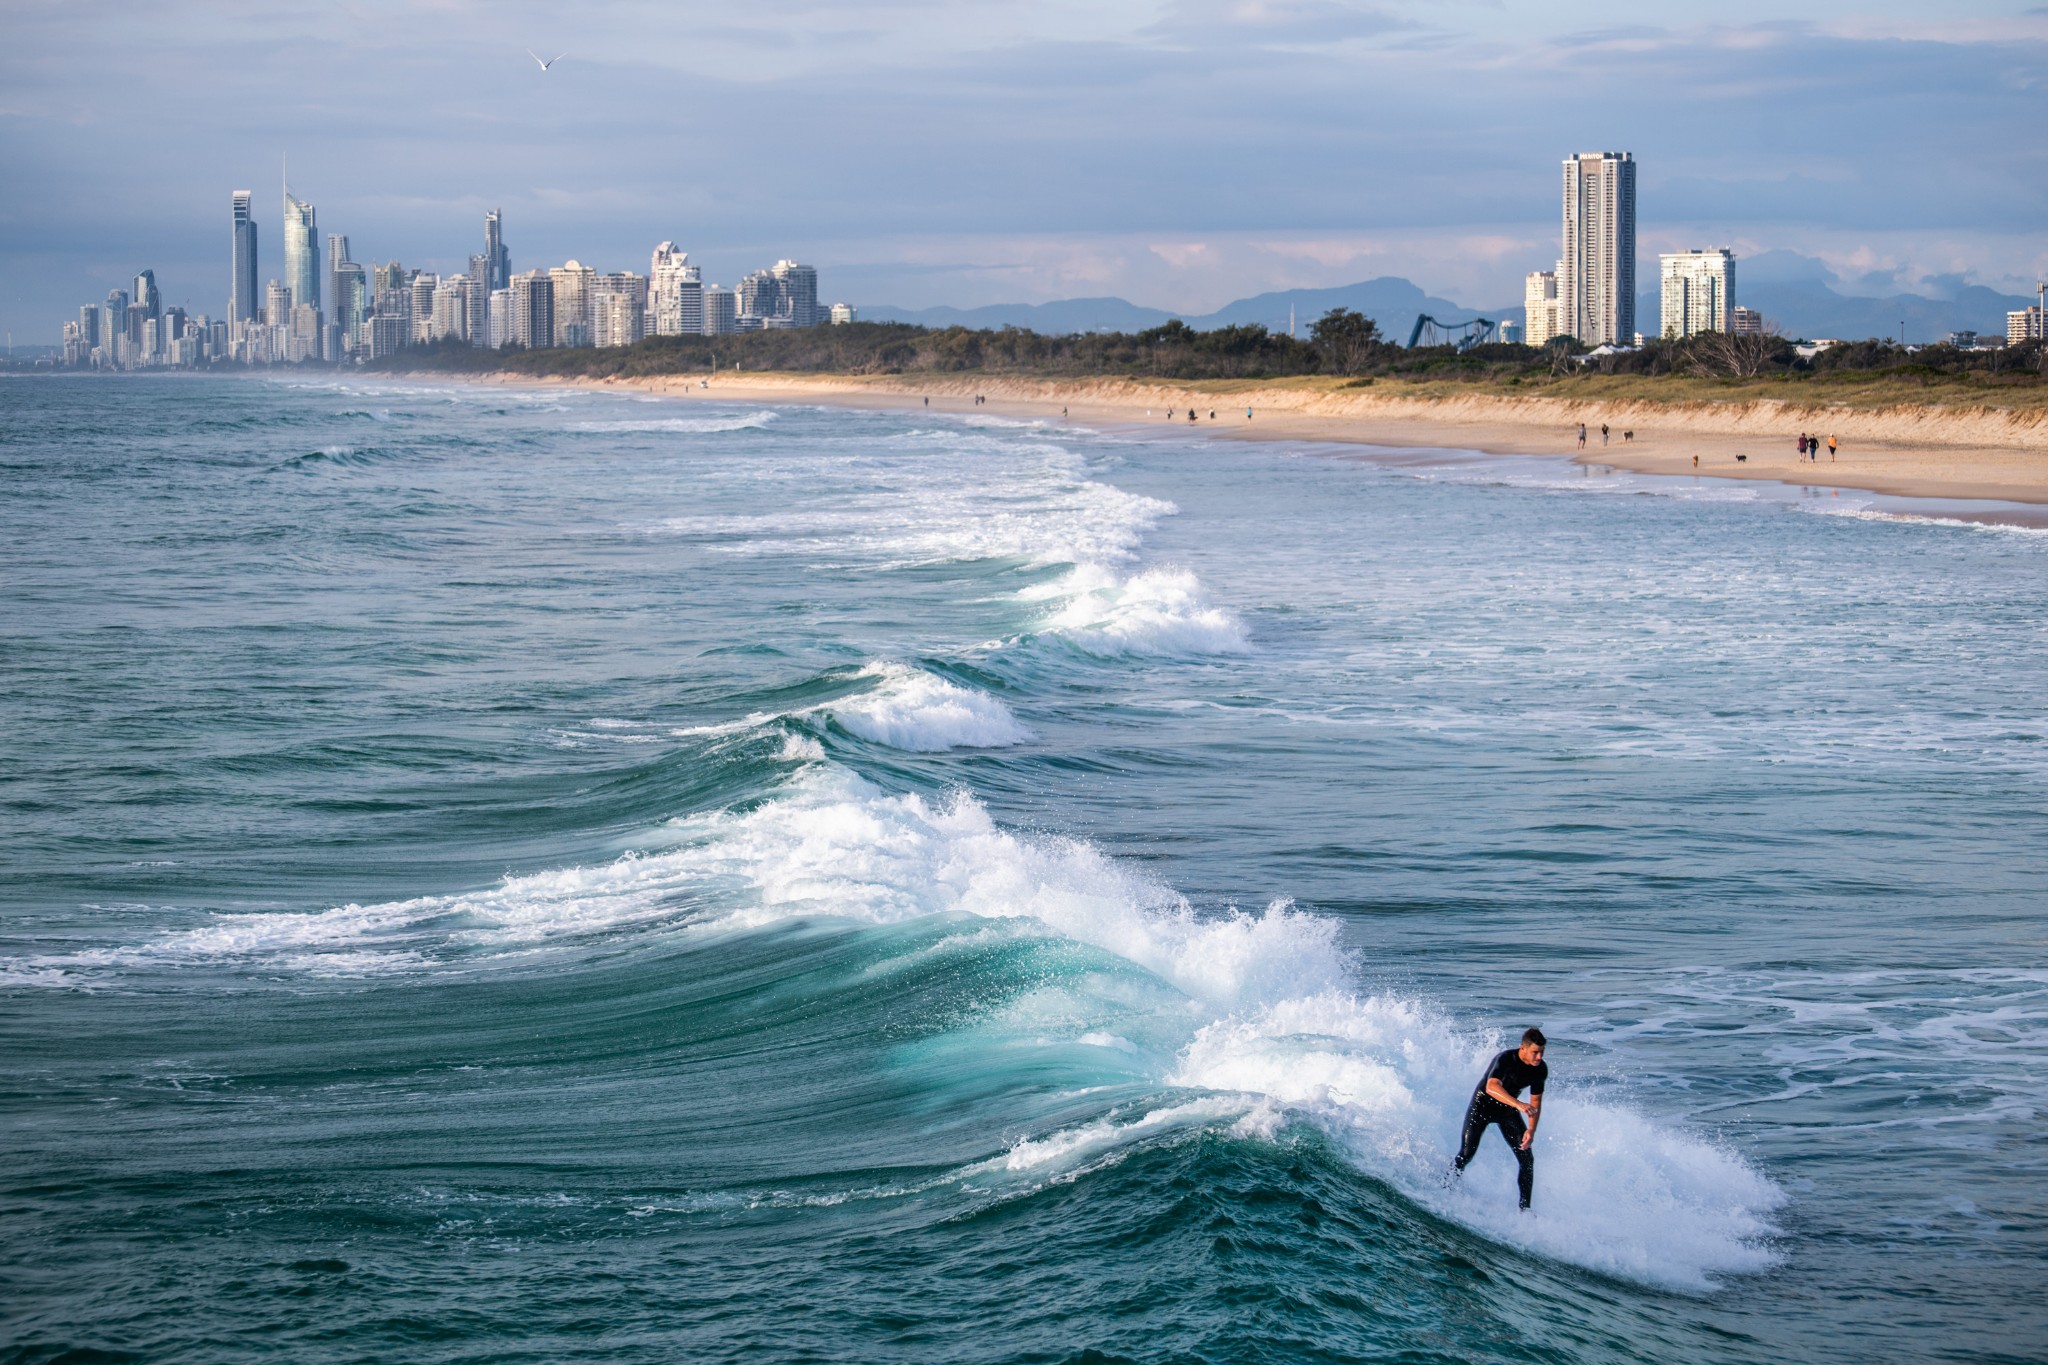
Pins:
<point x="545" y="65"/>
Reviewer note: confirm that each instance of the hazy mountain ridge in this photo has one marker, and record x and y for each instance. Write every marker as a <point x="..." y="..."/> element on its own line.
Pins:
<point x="1796" y="292"/>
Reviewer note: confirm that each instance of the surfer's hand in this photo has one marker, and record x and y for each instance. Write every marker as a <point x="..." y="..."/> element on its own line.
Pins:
<point x="1527" y="1138"/>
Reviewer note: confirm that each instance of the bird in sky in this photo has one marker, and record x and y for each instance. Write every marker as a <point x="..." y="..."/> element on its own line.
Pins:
<point x="545" y="65"/>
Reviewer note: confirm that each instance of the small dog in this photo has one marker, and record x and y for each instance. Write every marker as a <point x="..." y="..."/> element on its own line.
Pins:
<point x="1742" y="459"/>
<point x="1627" y="436"/>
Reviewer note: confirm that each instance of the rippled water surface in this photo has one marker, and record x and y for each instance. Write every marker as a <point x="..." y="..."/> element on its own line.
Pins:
<point x="546" y="876"/>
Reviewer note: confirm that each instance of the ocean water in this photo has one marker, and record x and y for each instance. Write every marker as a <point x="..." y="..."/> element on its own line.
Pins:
<point x="568" y="877"/>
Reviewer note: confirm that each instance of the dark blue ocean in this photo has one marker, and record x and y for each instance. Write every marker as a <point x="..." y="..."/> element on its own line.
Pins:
<point x="505" y="876"/>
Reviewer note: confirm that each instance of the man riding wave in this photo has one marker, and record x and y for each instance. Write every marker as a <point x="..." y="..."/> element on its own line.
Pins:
<point x="1497" y="1100"/>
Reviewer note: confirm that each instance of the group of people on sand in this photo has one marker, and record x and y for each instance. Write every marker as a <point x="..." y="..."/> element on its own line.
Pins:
<point x="1194" y="416"/>
<point x="1809" y="446"/>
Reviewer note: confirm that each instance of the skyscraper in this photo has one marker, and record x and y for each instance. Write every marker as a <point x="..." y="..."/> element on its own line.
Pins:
<point x="147" y="306"/>
<point x="423" y="287"/>
<point x="1596" y="280"/>
<point x="497" y="260"/>
<point x="301" y="252"/>
<point x="761" y="295"/>
<point x="243" y="300"/>
<point x="338" y="265"/>
<point x="618" y="309"/>
<point x="799" y="292"/>
<point x="675" y="293"/>
<point x="479" y="305"/>
<point x="572" y="303"/>
<point x="277" y="304"/>
<point x="1698" y="291"/>
<point x="114" y="326"/>
<point x="532" y="310"/>
<point x="448" y="319"/>
<point x="721" y="311"/>
<point x="349" y="305"/>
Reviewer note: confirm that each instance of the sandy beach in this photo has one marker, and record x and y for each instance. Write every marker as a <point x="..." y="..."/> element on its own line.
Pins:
<point x="1913" y="452"/>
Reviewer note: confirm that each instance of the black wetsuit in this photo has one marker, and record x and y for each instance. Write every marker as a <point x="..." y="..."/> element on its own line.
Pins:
<point x="1514" y="1075"/>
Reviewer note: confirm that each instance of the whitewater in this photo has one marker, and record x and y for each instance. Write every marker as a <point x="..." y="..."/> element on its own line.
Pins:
<point x="694" y="835"/>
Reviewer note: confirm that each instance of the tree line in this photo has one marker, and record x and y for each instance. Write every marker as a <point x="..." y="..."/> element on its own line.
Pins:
<point x="1341" y="343"/>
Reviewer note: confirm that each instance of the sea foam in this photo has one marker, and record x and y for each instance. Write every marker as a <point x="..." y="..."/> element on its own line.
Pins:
<point x="1154" y="612"/>
<point x="913" y="710"/>
<point x="1278" y="1022"/>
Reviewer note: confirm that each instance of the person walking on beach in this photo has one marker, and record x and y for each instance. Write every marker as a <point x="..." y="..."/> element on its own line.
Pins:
<point x="1582" y="436"/>
<point x="1832" y="448"/>
<point x="1802" y="445"/>
<point x="1497" y="1101"/>
<point x="1603" y="433"/>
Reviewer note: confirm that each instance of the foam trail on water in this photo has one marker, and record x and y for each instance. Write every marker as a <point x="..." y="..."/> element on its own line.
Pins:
<point x="1155" y="612"/>
<point x="747" y="421"/>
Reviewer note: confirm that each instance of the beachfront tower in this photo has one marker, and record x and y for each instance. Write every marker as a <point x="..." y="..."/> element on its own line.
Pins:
<point x="301" y="252"/>
<point x="675" y="293"/>
<point x="1596" y="280"/>
<point x="243" y="300"/>
<point x="1698" y="292"/>
<point x="497" y="260"/>
<point x="799" y="292"/>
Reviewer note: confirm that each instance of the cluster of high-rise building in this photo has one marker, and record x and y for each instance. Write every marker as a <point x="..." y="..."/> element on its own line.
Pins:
<point x="1591" y="294"/>
<point x="355" y="311"/>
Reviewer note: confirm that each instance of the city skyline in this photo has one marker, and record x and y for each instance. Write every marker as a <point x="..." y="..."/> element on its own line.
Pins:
<point x="374" y="313"/>
<point x="1590" y="295"/>
<point x="1137" y="150"/>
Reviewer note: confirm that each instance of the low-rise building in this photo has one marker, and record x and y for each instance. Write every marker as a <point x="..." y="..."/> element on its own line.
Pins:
<point x="1539" y="307"/>
<point x="1698" y="291"/>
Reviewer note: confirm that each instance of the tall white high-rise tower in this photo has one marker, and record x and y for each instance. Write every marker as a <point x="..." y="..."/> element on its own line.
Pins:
<point x="301" y="251"/>
<point x="1596" y="280"/>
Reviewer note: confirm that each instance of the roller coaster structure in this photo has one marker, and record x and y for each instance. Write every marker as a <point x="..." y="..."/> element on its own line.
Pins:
<point x="1464" y="335"/>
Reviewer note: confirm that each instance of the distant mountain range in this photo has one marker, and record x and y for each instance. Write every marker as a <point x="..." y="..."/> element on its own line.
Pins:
<point x="1796" y="292"/>
<point x="1392" y="302"/>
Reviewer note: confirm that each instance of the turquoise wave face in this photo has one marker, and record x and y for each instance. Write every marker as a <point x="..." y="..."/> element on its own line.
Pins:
<point x="554" y="875"/>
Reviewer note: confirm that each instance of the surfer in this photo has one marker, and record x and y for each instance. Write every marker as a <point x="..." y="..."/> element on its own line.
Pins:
<point x="1497" y="1100"/>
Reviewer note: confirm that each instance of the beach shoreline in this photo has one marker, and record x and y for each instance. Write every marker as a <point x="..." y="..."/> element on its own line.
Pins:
<point x="1907" y="452"/>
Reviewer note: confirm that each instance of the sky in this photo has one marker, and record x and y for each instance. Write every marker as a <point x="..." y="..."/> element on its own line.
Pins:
<point x="1178" y="153"/>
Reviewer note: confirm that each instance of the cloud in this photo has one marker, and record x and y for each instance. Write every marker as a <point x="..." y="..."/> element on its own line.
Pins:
<point x="1180" y="152"/>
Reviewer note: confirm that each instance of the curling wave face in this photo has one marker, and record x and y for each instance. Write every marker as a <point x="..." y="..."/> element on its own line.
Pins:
<point x="1264" y="1007"/>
